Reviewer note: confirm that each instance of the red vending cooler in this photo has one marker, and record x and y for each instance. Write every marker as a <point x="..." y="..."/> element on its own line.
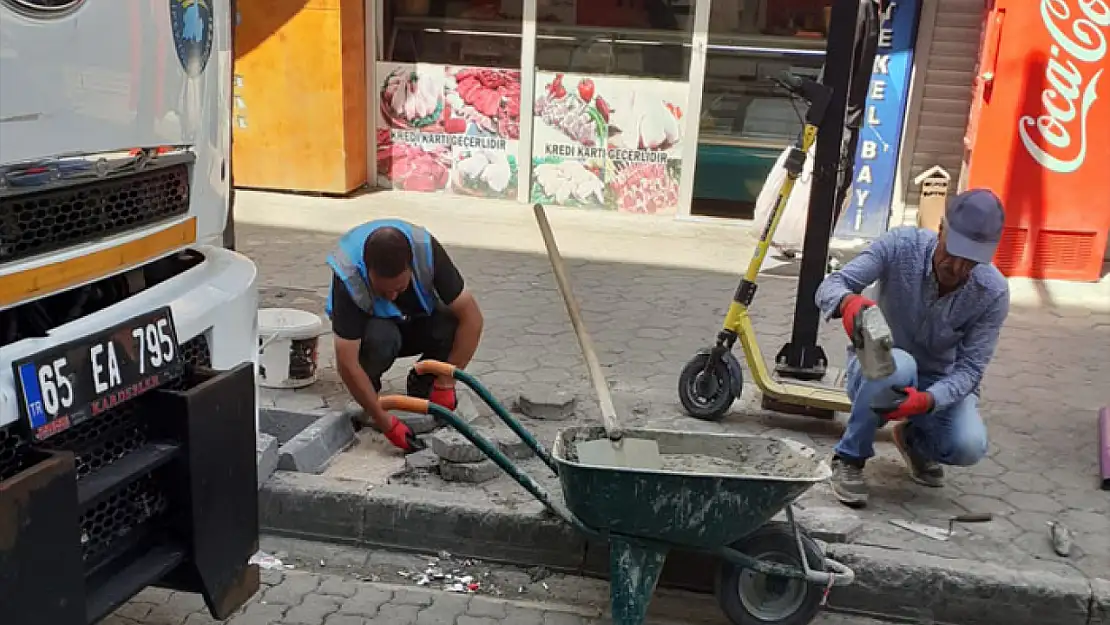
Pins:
<point x="1040" y="133"/>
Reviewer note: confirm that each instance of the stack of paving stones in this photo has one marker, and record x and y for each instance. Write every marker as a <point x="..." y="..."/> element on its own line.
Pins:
<point x="459" y="460"/>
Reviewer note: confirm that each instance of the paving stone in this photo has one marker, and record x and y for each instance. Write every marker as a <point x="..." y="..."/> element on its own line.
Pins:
<point x="338" y="587"/>
<point x="292" y="590"/>
<point x="313" y="611"/>
<point x="259" y="614"/>
<point x="411" y="597"/>
<point x="445" y="610"/>
<point x="452" y="446"/>
<point x="562" y="618"/>
<point x="366" y="602"/>
<point x="344" y="619"/>
<point x="487" y="608"/>
<point x="512" y="445"/>
<point x="543" y="402"/>
<point x="424" y="460"/>
<point x="470" y="472"/>
<point x="392" y="614"/>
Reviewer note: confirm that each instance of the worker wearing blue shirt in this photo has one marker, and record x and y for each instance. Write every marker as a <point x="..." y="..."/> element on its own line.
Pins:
<point x="945" y="304"/>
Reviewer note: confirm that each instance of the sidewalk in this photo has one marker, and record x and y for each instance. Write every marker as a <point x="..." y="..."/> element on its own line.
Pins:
<point x="650" y="303"/>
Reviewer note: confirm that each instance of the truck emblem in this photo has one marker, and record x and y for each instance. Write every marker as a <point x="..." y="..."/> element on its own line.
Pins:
<point x="192" y="33"/>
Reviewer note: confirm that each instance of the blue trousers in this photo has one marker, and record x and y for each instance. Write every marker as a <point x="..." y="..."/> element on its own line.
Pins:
<point x="953" y="436"/>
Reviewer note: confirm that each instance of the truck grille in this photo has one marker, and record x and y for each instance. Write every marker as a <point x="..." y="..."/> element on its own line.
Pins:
<point x="40" y="221"/>
<point x="97" y="443"/>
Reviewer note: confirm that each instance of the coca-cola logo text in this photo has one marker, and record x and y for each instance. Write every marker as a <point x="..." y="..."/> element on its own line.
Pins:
<point x="1061" y="127"/>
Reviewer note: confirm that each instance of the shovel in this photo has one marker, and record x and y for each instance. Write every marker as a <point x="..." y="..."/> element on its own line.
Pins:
<point x="617" y="450"/>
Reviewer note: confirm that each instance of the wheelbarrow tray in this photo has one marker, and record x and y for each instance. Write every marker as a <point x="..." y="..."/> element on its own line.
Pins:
<point x="681" y="505"/>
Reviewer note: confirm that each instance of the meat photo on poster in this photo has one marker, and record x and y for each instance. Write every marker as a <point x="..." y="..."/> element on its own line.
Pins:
<point x="449" y="129"/>
<point x="607" y="142"/>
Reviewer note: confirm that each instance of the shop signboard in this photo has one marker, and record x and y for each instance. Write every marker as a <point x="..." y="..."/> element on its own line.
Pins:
<point x="448" y="129"/>
<point x="607" y="142"/>
<point x="867" y="212"/>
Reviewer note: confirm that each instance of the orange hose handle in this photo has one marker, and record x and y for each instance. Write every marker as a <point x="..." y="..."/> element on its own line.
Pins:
<point x="435" y="367"/>
<point x="404" y="403"/>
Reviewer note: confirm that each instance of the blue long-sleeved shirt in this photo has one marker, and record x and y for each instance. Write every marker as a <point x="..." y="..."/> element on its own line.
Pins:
<point x="954" y="337"/>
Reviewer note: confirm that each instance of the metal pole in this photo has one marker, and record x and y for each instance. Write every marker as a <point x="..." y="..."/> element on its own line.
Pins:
<point x="846" y="57"/>
<point x="229" y="227"/>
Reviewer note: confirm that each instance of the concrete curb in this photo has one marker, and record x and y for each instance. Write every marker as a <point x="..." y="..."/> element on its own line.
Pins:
<point x="265" y="456"/>
<point x="889" y="582"/>
<point x="314" y="447"/>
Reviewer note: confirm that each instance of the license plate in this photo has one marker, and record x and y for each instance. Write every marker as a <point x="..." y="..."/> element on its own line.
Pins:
<point x="66" y="385"/>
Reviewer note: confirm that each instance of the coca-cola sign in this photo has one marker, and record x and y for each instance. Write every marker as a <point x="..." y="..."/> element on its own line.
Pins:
<point x="1057" y="138"/>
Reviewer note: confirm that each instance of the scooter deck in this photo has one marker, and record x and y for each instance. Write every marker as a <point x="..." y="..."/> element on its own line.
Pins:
<point x="833" y="382"/>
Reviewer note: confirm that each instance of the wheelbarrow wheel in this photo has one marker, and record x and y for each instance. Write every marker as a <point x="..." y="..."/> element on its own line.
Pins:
<point x="708" y="395"/>
<point x="751" y="598"/>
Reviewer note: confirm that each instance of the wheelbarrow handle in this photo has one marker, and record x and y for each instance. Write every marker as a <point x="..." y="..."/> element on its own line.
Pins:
<point x="438" y="368"/>
<point x="836" y="575"/>
<point x="423" y="406"/>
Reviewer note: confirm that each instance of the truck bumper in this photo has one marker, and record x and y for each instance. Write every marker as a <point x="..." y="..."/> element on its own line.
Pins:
<point x="159" y="491"/>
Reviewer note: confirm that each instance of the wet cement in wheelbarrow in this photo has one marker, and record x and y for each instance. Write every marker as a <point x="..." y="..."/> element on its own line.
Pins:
<point x="769" y="460"/>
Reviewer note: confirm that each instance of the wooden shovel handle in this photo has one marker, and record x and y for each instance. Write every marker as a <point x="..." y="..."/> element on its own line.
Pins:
<point x="404" y="403"/>
<point x="593" y="366"/>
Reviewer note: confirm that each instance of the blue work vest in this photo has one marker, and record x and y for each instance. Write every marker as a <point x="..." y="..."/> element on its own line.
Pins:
<point x="348" y="261"/>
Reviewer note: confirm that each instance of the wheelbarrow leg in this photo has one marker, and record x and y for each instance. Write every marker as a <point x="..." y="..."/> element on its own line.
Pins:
<point x="634" y="570"/>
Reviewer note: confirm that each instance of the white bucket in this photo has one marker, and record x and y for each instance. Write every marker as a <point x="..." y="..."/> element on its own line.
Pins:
<point x="287" y="347"/>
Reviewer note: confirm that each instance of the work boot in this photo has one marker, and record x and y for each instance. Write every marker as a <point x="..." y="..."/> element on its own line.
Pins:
<point x="922" y="470"/>
<point x="847" y="482"/>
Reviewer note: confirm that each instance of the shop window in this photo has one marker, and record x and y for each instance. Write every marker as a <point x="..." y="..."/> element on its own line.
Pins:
<point x="469" y="33"/>
<point x="638" y="38"/>
<point x="746" y="120"/>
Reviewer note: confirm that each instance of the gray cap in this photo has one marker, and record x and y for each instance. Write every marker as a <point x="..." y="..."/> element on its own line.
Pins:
<point x="973" y="225"/>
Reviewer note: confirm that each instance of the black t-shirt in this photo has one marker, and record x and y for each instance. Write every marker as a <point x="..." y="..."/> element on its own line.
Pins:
<point x="349" y="322"/>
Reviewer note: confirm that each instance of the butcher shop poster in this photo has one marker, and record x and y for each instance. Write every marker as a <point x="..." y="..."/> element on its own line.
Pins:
<point x="607" y="142"/>
<point x="448" y="129"/>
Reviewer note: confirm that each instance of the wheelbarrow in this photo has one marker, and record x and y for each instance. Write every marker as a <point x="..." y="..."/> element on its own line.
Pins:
<point x="770" y="573"/>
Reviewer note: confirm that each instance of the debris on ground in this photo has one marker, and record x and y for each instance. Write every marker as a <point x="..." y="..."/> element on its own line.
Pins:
<point x="1061" y="538"/>
<point x="454" y="577"/>
<point x="269" y="562"/>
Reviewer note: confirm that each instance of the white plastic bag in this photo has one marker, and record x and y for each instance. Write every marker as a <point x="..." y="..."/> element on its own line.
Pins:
<point x="790" y="236"/>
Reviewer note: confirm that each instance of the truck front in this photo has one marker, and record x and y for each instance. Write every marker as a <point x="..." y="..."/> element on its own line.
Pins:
<point x="127" y="332"/>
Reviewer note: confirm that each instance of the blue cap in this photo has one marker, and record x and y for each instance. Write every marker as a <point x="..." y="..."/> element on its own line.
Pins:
<point x="973" y="225"/>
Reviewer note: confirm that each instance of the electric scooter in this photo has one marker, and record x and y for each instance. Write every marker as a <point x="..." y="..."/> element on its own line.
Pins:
<point x="713" y="379"/>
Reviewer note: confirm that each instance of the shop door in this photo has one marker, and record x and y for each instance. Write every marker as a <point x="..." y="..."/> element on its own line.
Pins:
<point x="611" y="80"/>
<point x="745" y="121"/>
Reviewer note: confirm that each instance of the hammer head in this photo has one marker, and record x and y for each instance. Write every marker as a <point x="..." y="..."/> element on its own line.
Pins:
<point x="874" y="344"/>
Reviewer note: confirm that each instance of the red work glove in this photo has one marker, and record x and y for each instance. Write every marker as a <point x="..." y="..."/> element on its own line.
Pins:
<point x="850" y="309"/>
<point x="444" y="396"/>
<point x="402" y="437"/>
<point x="899" y="403"/>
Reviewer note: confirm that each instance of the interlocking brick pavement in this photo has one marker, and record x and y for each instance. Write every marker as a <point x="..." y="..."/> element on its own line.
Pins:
<point x="305" y="598"/>
<point x="649" y="312"/>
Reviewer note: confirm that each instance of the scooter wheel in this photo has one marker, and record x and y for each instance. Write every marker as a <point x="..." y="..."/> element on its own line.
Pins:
<point x="707" y="395"/>
<point x="751" y="598"/>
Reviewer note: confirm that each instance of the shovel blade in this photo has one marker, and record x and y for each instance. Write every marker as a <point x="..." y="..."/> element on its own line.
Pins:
<point x="631" y="453"/>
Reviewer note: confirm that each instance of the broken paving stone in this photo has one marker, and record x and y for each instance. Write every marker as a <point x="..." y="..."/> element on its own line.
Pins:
<point x="833" y="525"/>
<point x="512" y="446"/>
<point x="454" y="447"/>
<point x="470" y="472"/>
<point x="547" y="404"/>
<point x="425" y="460"/>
